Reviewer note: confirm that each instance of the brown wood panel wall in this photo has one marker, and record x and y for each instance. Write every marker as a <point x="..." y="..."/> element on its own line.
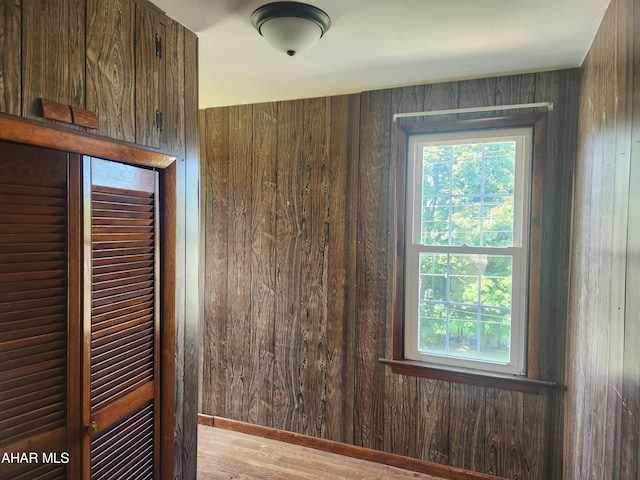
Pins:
<point x="602" y="433"/>
<point x="297" y="218"/>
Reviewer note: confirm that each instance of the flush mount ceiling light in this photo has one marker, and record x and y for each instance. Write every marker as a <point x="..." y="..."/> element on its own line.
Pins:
<point x="290" y="27"/>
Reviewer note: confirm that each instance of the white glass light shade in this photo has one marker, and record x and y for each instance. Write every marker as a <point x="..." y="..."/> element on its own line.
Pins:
<point x="290" y="35"/>
<point x="290" y="27"/>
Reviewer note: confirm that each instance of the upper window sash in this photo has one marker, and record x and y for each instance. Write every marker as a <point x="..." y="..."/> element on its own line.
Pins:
<point x="522" y="138"/>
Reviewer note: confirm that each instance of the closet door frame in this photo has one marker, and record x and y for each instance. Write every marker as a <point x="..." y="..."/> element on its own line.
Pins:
<point x="27" y="132"/>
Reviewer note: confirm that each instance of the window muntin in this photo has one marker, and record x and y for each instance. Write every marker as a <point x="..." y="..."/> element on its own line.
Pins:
<point x="466" y="255"/>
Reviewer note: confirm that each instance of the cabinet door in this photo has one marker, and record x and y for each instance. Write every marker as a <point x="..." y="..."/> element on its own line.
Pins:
<point x="110" y="67"/>
<point x="121" y="321"/>
<point x="35" y="394"/>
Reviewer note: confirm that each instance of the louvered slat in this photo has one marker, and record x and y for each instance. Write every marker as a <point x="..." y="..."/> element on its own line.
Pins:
<point x="126" y="449"/>
<point x="109" y="318"/>
<point x="33" y="301"/>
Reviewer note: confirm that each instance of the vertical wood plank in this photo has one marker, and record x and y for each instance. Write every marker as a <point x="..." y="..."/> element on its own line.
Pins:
<point x="467" y="427"/>
<point x="402" y="417"/>
<point x="609" y="316"/>
<point x="53" y="59"/>
<point x="77" y="52"/>
<point x="10" y="62"/>
<point x="504" y="418"/>
<point x="476" y="93"/>
<point x="371" y="264"/>
<point x="559" y="88"/>
<point x="514" y="90"/>
<point x="186" y="130"/>
<point x="408" y="100"/>
<point x="441" y="96"/>
<point x="341" y="335"/>
<point x="215" y="205"/>
<point x="178" y="90"/>
<point x="239" y="275"/>
<point x="315" y="231"/>
<point x="598" y="328"/>
<point x="110" y="67"/>
<point x="576" y="331"/>
<point x="262" y="251"/>
<point x="537" y="443"/>
<point x="432" y="434"/>
<point x="286" y="371"/>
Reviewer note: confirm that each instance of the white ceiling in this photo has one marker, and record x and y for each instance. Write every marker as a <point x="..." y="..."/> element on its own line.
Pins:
<point x="375" y="44"/>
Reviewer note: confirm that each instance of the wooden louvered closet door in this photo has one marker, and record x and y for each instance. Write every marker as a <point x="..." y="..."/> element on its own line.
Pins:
<point x="121" y="321"/>
<point x="36" y="313"/>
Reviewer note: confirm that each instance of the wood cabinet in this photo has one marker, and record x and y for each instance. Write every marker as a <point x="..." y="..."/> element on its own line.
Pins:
<point x="100" y="55"/>
<point x="116" y="58"/>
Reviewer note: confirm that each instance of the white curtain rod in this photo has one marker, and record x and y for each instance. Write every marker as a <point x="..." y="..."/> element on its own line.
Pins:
<point x="548" y="105"/>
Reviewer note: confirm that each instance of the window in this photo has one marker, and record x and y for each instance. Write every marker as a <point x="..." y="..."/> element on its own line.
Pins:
<point x="466" y="253"/>
<point x="468" y="232"/>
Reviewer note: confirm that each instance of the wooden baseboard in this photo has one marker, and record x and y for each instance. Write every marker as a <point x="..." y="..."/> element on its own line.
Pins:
<point x="353" y="451"/>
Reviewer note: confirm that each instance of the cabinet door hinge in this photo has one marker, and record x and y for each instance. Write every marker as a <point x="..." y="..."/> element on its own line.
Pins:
<point x="159" y="121"/>
<point x="158" y="46"/>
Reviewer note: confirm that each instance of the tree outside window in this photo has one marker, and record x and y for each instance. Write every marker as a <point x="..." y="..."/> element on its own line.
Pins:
<point x="467" y="206"/>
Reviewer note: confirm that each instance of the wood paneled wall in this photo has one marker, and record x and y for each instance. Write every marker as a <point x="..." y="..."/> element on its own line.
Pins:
<point x="85" y="53"/>
<point x="602" y="437"/>
<point x="297" y="223"/>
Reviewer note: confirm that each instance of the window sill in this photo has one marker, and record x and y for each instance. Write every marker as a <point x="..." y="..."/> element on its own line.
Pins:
<point x="504" y="382"/>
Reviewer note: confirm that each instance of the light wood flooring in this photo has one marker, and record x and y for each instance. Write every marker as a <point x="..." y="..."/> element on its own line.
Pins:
<point x="225" y="454"/>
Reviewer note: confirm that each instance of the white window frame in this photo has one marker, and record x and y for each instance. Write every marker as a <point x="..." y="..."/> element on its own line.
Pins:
<point x="519" y="251"/>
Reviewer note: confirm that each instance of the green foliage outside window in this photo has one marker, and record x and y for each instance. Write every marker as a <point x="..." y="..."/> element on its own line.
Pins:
<point x="467" y="200"/>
